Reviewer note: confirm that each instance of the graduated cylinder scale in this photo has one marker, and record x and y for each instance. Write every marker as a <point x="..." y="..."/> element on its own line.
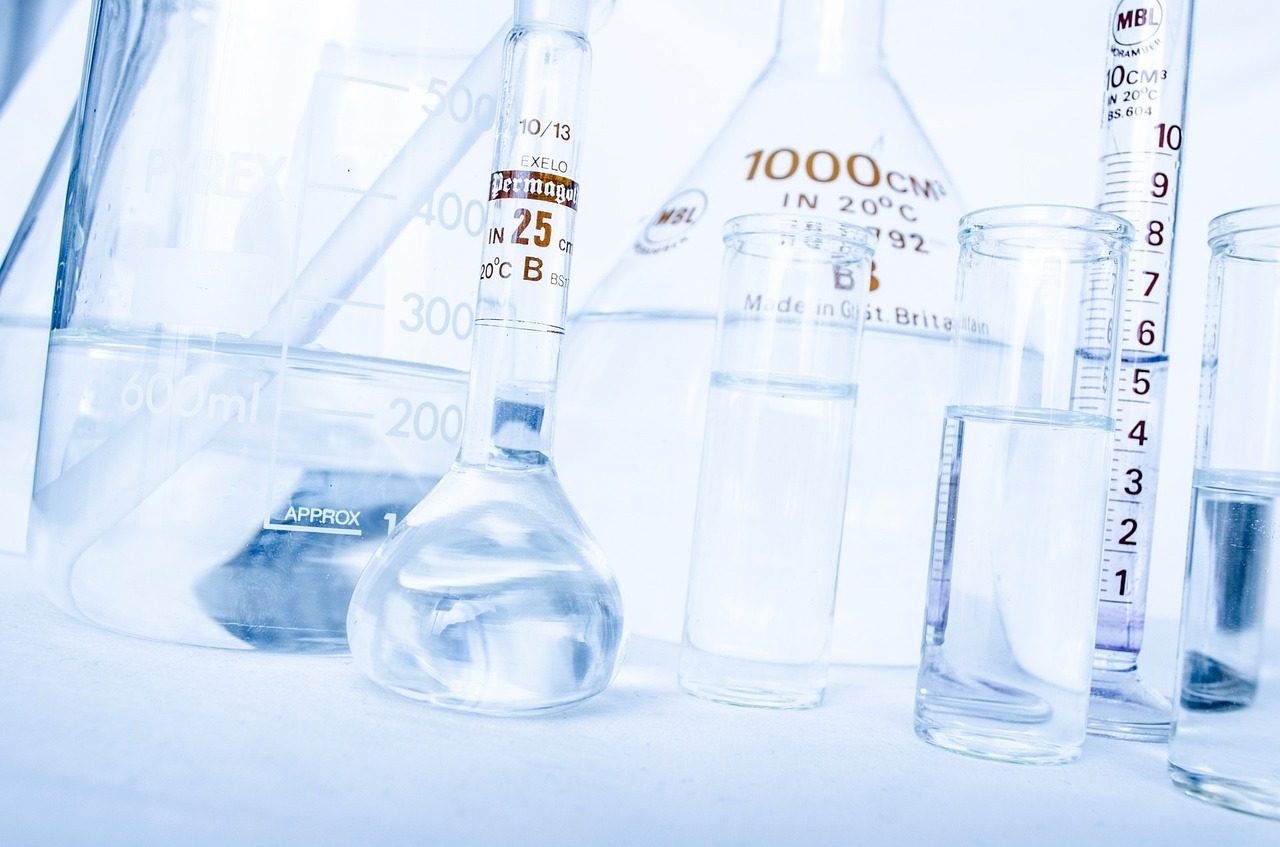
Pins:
<point x="1143" y="130"/>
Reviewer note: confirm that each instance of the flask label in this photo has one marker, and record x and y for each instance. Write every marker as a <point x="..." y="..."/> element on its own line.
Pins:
<point x="909" y="212"/>
<point x="534" y="185"/>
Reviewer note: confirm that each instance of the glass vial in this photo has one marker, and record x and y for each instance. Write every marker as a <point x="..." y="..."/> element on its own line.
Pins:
<point x="1224" y="746"/>
<point x="775" y="461"/>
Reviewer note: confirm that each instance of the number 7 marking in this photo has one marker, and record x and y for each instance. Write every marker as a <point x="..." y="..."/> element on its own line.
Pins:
<point x="1155" y="277"/>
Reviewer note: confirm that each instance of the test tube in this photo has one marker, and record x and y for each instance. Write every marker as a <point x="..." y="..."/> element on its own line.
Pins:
<point x="775" y="461"/>
<point x="1224" y="746"/>
<point x="1022" y="484"/>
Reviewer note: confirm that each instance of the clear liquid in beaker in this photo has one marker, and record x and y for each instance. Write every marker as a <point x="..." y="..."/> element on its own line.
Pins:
<point x="767" y="544"/>
<point x="278" y="474"/>
<point x="1228" y="701"/>
<point x="1013" y="590"/>
<point x="651" y="431"/>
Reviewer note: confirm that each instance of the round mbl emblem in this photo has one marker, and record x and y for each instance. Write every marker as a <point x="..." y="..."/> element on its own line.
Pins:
<point x="1136" y="21"/>
<point x="677" y="216"/>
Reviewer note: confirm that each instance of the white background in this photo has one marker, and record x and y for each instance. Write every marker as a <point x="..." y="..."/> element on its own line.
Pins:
<point x="1009" y="92"/>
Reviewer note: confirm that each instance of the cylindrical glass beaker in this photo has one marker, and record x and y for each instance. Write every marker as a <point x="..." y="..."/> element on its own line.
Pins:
<point x="1022" y="484"/>
<point x="1225" y="747"/>
<point x="263" y="315"/>
<point x="775" y="460"/>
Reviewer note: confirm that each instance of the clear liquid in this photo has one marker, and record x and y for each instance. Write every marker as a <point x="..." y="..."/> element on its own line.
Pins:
<point x="1009" y="632"/>
<point x="223" y="494"/>
<point x="490" y="598"/>
<point x="767" y="543"/>
<point x="1224" y="744"/>
<point x="632" y="409"/>
<point x="1122" y="615"/>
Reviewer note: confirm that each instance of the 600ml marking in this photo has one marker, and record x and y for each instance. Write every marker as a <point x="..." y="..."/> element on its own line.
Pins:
<point x="189" y="397"/>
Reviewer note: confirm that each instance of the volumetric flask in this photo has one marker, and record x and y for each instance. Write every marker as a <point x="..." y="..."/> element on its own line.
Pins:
<point x="775" y="461"/>
<point x="1225" y="747"/>
<point x="263" y="316"/>
<point x="1012" y="603"/>
<point x="491" y="596"/>
<point x="824" y="131"/>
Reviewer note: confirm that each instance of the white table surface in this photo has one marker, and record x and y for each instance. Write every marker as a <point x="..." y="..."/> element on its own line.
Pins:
<point x="106" y="739"/>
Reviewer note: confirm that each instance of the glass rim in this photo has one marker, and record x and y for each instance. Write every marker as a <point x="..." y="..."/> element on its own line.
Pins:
<point x="575" y="15"/>
<point x="783" y="223"/>
<point x="1046" y="216"/>
<point x="1241" y="221"/>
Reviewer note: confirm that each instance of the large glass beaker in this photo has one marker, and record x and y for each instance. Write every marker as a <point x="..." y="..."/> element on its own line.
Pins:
<point x="264" y="307"/>
<point x="825" y="130"/>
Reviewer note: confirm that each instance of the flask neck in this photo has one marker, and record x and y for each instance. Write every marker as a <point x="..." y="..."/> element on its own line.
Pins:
<point x="510" y="418"/>
<point x="572" y="15"/>
<point x="830" y="37"/>
<point x="528" y="239"/>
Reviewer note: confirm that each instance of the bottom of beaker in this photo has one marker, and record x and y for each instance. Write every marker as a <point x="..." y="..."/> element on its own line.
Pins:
<point x="1123" y="706"/>
<point x="745" y="695"/>
<point x="1247" y="797"/>
<point x="445" y="700"/>
<point x="996" y="746"/>
<point x="747" y="682"/>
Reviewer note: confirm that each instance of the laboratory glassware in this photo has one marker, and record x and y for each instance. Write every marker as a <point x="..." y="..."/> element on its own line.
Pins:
<point x="1022" y="484"/>
<point x="1224" y="745"/>
<point x="775" y="460"/>
<point x="1143" y="124"/>
<point x="27" y="271"/>
<point x="34" y="120"/>
<point x="823" y="131"/>
<point x="264" y="307"/>
<point x="491" y="595"/>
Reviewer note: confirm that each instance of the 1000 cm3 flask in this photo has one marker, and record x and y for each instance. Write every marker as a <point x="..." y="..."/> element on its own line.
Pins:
<point x="249" y="381"/>
<point x="824" y="131"/>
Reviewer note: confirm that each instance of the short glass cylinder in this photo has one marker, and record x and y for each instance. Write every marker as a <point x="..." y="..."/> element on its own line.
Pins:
<point x="774" y="477"/>
<point x="1022" y="484"/>
<point x="1224" y="747"/>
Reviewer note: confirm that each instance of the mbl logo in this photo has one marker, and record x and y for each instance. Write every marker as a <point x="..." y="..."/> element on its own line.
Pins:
<point x="674" y="220"/>
<point x="1137" y="21"/>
